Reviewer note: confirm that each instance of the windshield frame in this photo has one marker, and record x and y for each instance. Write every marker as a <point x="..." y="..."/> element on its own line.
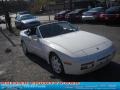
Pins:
<point x="76" y="28"/>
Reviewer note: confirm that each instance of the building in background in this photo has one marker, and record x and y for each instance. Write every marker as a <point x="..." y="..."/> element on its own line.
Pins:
<point x="13" y="5"/>
<point x="55" y="5"/>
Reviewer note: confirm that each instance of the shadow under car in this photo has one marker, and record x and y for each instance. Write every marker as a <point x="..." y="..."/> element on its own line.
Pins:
<point x="109" y="73"/>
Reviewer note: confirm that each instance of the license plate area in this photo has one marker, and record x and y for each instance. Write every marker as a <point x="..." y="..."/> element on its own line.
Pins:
<point x="87" y="65"/>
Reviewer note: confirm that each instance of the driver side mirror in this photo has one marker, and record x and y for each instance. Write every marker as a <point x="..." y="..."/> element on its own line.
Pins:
<point x="33" y="35"/>
<point x="28" y="32"/>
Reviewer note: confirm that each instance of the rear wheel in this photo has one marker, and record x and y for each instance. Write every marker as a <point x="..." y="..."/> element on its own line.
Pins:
<point x="56" y="64"/>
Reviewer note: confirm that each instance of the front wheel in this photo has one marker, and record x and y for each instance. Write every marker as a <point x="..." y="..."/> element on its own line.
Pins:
<point x="56" y="64"/>
<point x="24" y="48"/>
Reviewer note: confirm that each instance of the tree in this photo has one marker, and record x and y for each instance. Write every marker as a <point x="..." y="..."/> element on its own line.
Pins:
<point x="38" y="4"/>
<point x="5" y="7"/>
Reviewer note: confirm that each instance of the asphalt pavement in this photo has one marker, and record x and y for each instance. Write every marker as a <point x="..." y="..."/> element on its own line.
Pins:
<point x="15" y="66"/>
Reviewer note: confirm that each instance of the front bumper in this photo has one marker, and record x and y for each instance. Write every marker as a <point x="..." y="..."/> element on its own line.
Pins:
<point x="89" y="66"/>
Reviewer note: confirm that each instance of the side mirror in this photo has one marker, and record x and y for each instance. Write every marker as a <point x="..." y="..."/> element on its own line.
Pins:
<point x="27" y="32"/>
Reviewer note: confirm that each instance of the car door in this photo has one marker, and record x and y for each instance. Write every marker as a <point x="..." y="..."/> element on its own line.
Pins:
<point x="36" y="44"/>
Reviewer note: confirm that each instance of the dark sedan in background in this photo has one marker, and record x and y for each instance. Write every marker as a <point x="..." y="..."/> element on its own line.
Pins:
<point x="61" y="15"/>
<point x="26" y="21"/>
<point x="111" y="15"/>
<point x="93" y="14"/>
<point x="75" y="15"/>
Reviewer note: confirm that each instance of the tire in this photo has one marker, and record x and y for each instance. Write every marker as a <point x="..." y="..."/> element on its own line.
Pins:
<point x="25" y="50"/>
<point x="56" y="64"/>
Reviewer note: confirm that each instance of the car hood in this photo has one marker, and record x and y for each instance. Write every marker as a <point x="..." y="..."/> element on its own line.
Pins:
<point x="29" y="20"/>
<point x="79" y="40"/>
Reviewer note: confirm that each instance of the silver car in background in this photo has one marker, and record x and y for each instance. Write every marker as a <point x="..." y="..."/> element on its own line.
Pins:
<point x="26" y="21"/>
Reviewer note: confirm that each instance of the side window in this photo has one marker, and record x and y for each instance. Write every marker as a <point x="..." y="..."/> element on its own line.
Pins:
<point x="45" y="30"/>
<point x="18" y="18"/>
<point x="56" y="29"/>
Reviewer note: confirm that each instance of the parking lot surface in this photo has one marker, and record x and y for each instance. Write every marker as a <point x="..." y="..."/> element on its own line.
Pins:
<point x="15" y="66"/>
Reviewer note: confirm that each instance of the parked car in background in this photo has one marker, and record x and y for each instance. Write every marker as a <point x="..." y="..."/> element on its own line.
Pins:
<point x="112" y="14"/>
<point x="93" y="14"/>
<point x="26" y="21"/>
<point x="67" y="49"/>
<point x="75" y="15"/>
<point x="61" y="15"/>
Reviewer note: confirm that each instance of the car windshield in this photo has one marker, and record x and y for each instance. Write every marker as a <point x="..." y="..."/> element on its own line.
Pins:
<point x="112" y="10"/>
<point x="24" y="12"/>
<point x="98" y="9"/>
<point x="25" y="17"/>
<point x="76" y="11"/>
<point x="56" y="29"/>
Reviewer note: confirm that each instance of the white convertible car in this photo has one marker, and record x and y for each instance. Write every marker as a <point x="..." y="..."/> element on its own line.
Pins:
<point x="67" y="49"/>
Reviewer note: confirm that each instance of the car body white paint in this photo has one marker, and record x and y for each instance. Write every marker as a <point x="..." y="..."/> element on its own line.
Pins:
<point x="77" y="48"/>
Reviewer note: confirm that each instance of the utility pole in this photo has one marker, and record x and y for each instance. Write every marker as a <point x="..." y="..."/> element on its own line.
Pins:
<point x="48" y="7"/>
<point x="107" y="3"/>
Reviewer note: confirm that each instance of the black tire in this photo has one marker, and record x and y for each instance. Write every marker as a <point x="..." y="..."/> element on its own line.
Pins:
<point x="25" y="50"/>
<point x="61" y="68"/>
